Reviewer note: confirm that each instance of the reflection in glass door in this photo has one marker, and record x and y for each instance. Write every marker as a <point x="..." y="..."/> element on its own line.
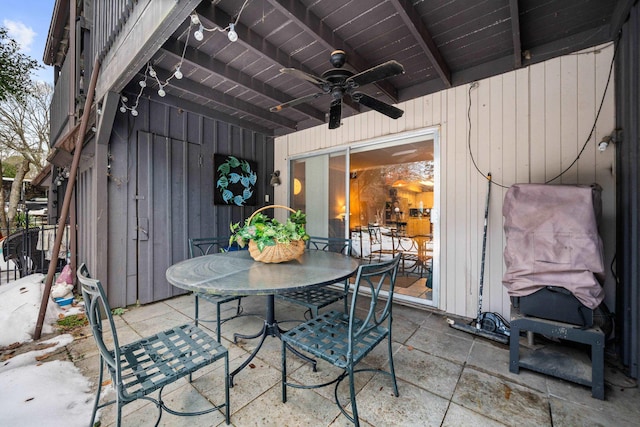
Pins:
<point x="319" y="190"/>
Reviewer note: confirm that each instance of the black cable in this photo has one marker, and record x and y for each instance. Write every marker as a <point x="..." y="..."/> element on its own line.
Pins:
<point x="584" y="146"/>
<point x="593" y="128"/>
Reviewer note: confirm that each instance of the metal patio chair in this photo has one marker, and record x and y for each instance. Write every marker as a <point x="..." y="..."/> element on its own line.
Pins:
<point x="149" y="364"/>
<point x="317" y="298"/>
<point x="378" y="247"/>
<point x="344" y="340"/>
<point x="205" y="246"/>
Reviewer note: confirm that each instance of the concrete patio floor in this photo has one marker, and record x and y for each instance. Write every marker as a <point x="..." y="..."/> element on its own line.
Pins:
<point x="445" y="377"/>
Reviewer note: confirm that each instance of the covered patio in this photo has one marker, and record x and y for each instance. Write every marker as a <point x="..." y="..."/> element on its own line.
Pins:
<point x="445" y="378"/>
<point x="518" y="85"/>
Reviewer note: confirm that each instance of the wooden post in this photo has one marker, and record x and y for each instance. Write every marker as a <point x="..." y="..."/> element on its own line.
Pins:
<point x="62" y="219"/>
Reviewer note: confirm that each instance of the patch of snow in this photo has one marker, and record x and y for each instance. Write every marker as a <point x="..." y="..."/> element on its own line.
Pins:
<point x="33" y="393"/>
<point x="54" y="394"/>
<point x="31" y="357"/>
<point x="19" y="307"/>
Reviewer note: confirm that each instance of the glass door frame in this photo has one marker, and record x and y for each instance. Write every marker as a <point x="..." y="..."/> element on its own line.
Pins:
<point x="396" y="139"/>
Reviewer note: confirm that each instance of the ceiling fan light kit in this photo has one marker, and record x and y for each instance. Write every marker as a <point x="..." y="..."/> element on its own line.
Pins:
<point x="338" y="82"/>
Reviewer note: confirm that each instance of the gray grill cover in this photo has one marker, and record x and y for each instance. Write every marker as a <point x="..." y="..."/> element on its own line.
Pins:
<point x="552" y="240"/>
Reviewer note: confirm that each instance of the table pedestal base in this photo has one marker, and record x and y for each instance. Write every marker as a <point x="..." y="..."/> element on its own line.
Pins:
<point x="270" y="328"/>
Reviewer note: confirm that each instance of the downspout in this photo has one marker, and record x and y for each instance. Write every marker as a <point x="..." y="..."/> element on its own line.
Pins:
<point x="67" y="198"/>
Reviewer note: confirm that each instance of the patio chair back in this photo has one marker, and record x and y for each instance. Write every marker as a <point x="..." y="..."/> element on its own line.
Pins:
<point x="199" y="246"/>
<point x="376" y="278"/>
<point x="317" y="298"/>
<point x="142" y="367"/>
<point x="210" y="245"/>
<point x="332" y="244"/>
<point x="344" y="340"/>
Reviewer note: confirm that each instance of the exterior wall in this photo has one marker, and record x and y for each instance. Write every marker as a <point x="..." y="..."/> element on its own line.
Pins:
<point x="628" y="177"/>
<point x="158" y="165"/>
<point x="525" y="126"/>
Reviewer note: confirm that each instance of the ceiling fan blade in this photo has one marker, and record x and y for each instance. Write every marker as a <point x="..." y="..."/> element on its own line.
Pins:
<point x="335" y="114"/>
<point x="379" y="106"/>
<point x="379" y="72"/>
<point x="296" y="101"/>
<point x="304" y="76"/>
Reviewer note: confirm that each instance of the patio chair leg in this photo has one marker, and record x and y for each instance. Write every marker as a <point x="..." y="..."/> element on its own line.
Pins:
<point x="97" y="400"/>
<point x="218" y="321"/>
<point x="392" y="370"/>
<point x="196" y="309"/>
<point x="284" y="372"/>
<point x="239" y="308"/>
<point x="352" y="394"/>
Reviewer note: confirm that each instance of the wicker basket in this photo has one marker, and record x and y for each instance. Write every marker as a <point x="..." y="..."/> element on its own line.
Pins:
<point x="280" y="252"/>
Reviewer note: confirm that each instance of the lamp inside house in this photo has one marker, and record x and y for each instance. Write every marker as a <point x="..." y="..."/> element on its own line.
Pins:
<point x="297" y="186"/>
<point x="275" y="179"/>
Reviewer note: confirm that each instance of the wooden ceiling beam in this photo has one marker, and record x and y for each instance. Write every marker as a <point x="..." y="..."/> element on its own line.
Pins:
<point x="298" y="13"/>
<point x="225" y="99"/>
<point x="255" y="42"/>
<point x="515" y="33"/>
<point x="420" y="33"/>
<point x="212" y="113"/>
<point x="201" y="59"/>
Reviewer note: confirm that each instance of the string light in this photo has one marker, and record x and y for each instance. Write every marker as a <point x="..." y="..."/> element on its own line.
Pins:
<point x="233" y="36"/>
<point x="199" y="36"/>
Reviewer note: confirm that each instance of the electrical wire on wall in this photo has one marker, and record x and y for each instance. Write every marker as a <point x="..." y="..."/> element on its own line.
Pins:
<point x="474" y="85"/>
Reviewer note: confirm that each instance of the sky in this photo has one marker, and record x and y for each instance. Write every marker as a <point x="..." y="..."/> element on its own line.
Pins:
<point x="35" y="392"/>
<point x="27" y="22"/>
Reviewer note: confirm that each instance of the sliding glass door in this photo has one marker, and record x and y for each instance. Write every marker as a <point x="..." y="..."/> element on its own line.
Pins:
<point x="384" y="196"/>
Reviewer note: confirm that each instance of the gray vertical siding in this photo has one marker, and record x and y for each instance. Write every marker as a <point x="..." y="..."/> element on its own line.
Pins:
<point x="160" y="177"/>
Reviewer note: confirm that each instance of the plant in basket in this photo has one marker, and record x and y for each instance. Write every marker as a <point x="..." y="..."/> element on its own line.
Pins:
<point x="269" y="239"/>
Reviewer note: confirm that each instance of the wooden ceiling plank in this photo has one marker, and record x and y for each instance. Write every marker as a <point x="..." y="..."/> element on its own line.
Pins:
<point x="230" y="101"/>
<point x="325" y="35"/>
<point x="256" y="43"/>
<point x="569" y="44"/>
<point x="515" y="33"/>
<point x="173" y="101"/>
<point x="203" y="60"/>
<point x="414" y="24"/>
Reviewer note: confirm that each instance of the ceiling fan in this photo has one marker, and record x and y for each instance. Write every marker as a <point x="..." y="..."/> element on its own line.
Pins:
<point x="339" y="82"/>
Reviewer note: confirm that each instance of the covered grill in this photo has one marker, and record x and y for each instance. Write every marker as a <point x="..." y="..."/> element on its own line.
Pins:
<point x="553" y="252"/>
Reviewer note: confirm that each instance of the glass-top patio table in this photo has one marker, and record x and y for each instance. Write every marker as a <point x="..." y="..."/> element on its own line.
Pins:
<point x="236" y="273"/>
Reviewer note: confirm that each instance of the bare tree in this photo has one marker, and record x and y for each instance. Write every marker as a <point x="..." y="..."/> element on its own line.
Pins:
<point x="24" y="130"/>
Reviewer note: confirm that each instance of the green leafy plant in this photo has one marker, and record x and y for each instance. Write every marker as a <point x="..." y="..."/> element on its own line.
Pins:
<point x="118" y="311"/>
<point x="266" y="231"/>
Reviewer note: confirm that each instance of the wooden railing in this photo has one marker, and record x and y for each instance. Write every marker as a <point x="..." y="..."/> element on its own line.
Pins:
<point x="109" y="16"/>
<point x="59" y="108"/>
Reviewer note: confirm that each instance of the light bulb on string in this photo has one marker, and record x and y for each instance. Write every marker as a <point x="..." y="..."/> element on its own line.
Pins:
<point x="233" y="36"/>
<point x="199" y="35"/>
<point x="194" y="19"/>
